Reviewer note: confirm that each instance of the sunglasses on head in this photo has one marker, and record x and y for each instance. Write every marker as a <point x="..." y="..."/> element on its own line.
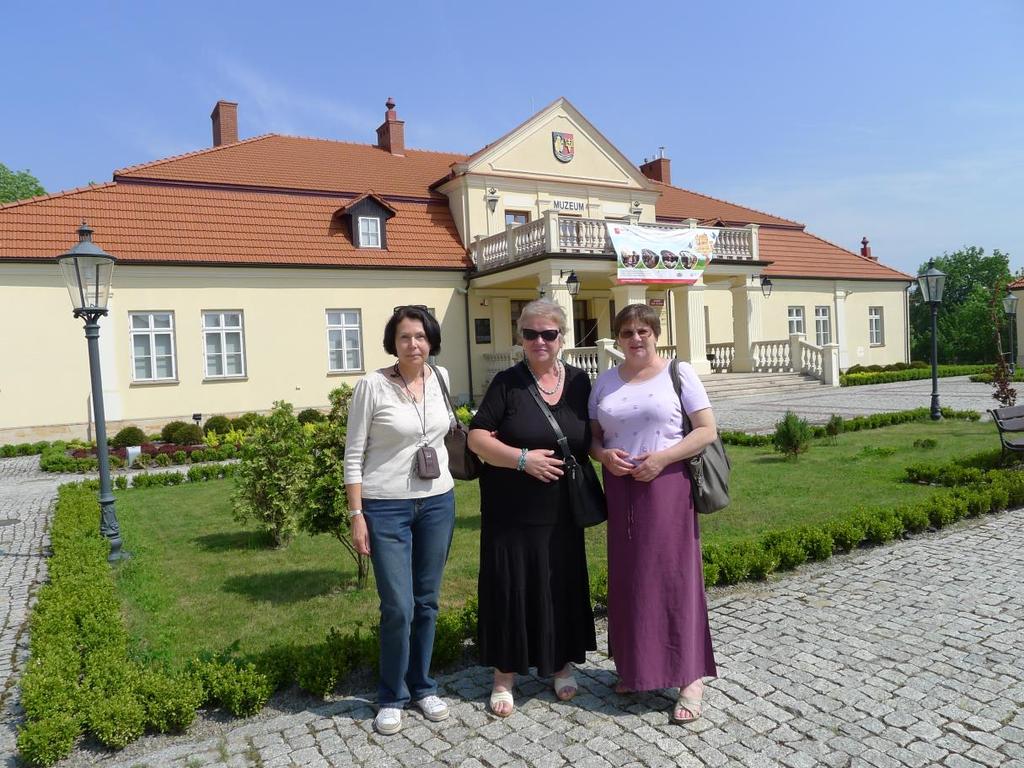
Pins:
<point x="549" y="335"/>
<point x="400" y="307"/>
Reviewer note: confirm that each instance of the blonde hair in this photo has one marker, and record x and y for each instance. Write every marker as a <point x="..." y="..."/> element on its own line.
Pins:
<point x="545" y="309"/>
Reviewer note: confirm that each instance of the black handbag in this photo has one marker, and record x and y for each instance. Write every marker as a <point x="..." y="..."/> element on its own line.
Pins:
<point x="462" y="462"/>
<point x="586" y="496"/>
<point x="709" y="469"/>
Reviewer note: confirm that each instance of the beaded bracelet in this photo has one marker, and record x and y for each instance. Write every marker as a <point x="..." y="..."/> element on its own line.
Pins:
<point x="521" y="466"/>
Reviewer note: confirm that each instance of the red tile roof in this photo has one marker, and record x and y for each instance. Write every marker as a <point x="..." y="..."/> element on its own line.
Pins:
<point x="677" y="203"/>
<point x="142" y="223"/>
<point x="795" y="253"/>
<point x="1017" y="284"/>
<point x="317" y="165"/>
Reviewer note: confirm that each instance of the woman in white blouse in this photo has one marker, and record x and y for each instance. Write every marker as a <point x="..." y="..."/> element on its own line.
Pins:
<point x="402" y="507"/>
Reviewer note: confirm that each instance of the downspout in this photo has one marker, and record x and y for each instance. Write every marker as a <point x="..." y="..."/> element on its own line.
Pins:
<point x="469" y="349"/>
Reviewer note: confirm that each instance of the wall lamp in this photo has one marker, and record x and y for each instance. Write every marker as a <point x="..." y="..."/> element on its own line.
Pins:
<point x="766" y="286"/>
<point x="572" y="284"/>
<point x="492" y="198"/>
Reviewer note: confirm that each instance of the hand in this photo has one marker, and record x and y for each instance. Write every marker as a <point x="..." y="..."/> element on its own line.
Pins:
<point x="543" y="465"/>
<point x="648" y="466"/>
<point x="616" y="461"/>
<point x="360" y="535"/>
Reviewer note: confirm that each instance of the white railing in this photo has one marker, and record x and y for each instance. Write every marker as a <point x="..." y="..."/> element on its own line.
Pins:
<point x="564" y="234"/>
<point x="666" y="352"/>
<point x="499" y="361"/>
<point x="723" y="356"/>
<point x="771" y="356"/>
<point x="583" y="357"/>
<point x="810" y="361"/>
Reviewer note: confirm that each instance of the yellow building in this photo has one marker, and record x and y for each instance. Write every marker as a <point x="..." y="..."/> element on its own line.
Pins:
<point x="265" y="269"/>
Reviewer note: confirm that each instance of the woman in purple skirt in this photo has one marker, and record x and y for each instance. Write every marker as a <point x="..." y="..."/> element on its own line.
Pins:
<point x="658" y="629"/>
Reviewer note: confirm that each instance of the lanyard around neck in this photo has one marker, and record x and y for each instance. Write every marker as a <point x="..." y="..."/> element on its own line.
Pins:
<point x="423" y="417"/>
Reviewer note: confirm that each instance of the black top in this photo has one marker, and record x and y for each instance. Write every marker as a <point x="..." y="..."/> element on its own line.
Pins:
<point x="508" y="408"/>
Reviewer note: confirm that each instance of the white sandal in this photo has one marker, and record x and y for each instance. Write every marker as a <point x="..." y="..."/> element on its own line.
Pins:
<point x="566" y="683"/>
<point x="502" y="697"/>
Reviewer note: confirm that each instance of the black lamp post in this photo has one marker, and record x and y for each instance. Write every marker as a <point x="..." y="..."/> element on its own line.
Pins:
<point x="87" y="270"/>
<point x="931" y="284"/>
<point x="1010" y="305"/>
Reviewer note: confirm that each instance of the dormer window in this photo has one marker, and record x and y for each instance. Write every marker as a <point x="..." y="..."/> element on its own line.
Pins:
<point x="369" y="232"/>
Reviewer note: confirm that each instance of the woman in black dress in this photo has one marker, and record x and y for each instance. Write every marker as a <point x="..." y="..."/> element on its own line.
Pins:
<point x="533" y="590"/>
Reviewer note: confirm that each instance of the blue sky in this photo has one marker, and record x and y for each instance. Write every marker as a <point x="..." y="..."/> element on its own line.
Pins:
<point x="902" y="121"/>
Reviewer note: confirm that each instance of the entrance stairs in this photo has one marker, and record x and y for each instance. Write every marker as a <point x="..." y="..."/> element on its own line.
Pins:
<point x="728" y="386"/>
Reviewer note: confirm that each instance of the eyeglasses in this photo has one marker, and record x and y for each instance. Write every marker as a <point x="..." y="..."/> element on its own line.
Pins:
<point x="640" y="333"/>
<point x="400" y="307"/>
<point x="549" y="335"/>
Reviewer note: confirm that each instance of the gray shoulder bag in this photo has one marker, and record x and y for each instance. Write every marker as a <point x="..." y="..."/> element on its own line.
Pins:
<point x="709" y="469"/>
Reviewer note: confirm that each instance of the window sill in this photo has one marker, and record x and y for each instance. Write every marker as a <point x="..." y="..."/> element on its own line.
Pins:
<point x="353" y="372"/>
<point x="876" y="346"/>
<point x="217" y="379"/>
<point x="155" y="383"/>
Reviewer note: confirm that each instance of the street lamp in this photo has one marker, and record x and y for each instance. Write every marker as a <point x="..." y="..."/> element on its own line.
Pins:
<point x="87" y="270"/>
<point x="931" y="284"/>
<point x="1010" y="306"/>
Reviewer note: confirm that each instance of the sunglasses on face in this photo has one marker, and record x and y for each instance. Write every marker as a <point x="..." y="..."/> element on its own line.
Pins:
<point x="400" y="307"/>
<point x="549" y="335"/>
<point x="640" y="333"/>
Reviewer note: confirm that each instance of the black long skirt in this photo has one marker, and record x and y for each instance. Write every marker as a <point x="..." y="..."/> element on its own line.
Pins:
<point x="534" y="596"/>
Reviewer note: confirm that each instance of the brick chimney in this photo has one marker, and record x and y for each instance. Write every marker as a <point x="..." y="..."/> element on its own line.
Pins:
<point x="865" y="250"/>
<point x="659" y="168"/>
<point x="391" y="133"/>
<point x="225" y="123"/>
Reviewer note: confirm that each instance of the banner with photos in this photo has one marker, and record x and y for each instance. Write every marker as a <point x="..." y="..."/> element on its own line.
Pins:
<point x="652" y="255"/>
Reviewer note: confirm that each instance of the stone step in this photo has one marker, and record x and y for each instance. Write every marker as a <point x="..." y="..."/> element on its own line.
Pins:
<point x="735" y="385"/>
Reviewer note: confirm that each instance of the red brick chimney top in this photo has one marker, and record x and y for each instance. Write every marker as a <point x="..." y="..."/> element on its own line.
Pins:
<point x="225" y="123"/>
<point x="391" y="133"/>
<point x="865" y="250"/>
<point x="658" y="168"/>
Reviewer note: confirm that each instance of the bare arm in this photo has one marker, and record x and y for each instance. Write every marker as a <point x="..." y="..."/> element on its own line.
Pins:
<point x="703" y="433"/>
<point x="540" y="463"/>
<point x="360" y="536"/>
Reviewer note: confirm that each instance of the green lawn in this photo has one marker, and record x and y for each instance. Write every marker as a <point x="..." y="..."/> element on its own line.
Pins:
<point x="200" y="581"/>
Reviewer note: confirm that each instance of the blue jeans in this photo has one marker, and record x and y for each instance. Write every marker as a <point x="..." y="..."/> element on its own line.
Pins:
<point x="409" y="543"/>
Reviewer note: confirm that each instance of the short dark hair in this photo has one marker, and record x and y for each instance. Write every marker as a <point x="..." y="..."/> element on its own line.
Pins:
<point x="410" y="312"/>
<point x="637" y="313"/>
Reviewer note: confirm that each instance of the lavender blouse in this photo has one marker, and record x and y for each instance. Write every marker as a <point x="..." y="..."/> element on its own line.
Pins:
<point x="642" y="416"/>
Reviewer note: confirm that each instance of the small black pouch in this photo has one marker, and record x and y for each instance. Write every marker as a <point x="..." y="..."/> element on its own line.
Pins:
<point x="427" y="467"/>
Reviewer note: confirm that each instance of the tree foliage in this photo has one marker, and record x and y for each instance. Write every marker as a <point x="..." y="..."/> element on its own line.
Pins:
<point x="964" y="312"/>
<point x="18" y="185"/>
<point x="326" y="509"/>
<point x="273" y="473"/>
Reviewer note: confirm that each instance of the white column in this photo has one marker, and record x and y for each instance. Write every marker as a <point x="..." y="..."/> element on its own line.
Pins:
<point x="840" y="329"/>
<point x="747" y="308"/>
<point x="553" y="285"/>
<point x="830" y="364"/>
<point x="795" y="363"/>
<point x="631" y="293"/>
<point x="689" y="327"/>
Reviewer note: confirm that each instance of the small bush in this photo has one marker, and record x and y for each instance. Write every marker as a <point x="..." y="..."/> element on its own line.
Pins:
<point x="169" y="433"/>
<point x="875" y="451"/>
<point x="127" y="436"/>
<point x="834" y="427"/>
<point x="710" y="574"/>
<point x="882" y="525"/>
<point x="46" y="740"/>
<point x="846" y="533"/>
<point x="121" y="482"/>
<point x="913" y="518"/>
<point x="926" y="443"/>
<point x="816" y="542"/>
<point x="218" y="425"/>
<point x="792" y="435"/>
<point x="116" y="719"/>
<point x="162" y="460"/>
<point x="761" y="562"/>
<point x="246" y="422"/>
<point x="786" y="547"/>
<point x="170" y="701"/>
<point x="733" y="565"/>
<point x="310" y="416"/>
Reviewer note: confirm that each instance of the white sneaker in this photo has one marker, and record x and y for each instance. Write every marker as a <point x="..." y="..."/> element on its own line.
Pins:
<point x="433" y="708"/>
<point x="388" y="721"/>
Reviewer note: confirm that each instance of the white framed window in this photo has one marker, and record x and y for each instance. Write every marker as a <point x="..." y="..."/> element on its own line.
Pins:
<point x="823" y="325"/>
<point x="344" y="340"/>
<point x="224" y="344"/>
<point x="369" y="232"/>
<point x="876" y="327"/>
<point x="152" y="339"/>
<point x="796" y="320"/>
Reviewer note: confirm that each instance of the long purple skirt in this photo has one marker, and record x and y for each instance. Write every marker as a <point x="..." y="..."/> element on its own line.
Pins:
<point x="658" y="629"/>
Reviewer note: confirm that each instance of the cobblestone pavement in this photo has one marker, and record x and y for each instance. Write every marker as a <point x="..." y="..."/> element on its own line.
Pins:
<point x="760" y="413"/>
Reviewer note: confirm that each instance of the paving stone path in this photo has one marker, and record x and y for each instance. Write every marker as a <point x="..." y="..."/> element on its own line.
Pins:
<point x="906" y="655"/>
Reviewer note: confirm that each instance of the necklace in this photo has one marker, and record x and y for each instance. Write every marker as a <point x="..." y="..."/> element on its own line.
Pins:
<point x="561" y="376"/>
<point x="423" y="419"/>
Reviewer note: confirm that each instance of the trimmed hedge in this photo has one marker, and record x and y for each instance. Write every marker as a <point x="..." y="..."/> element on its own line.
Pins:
<point x="987" y="378"/>
<point x="909" y="374"/>
<point x="22" y="449"/>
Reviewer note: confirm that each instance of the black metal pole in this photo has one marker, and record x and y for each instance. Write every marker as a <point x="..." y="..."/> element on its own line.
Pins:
<point x="109" y="527"/>
<point x="1013" y="347"/>
<point x="936" y="411"/>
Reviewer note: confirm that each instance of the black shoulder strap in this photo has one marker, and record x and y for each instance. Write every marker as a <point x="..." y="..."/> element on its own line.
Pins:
<point x="677" y="382"/>
<point x="563" y="443"/>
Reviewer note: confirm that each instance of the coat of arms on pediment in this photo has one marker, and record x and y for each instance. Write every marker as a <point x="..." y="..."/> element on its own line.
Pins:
<point x="564" y="146"/>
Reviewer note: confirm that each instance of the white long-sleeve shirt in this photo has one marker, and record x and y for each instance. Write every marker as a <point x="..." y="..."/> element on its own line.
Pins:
<point x="385" y="427"/>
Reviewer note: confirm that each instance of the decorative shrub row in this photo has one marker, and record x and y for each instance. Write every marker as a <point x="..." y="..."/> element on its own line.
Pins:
<point x="910" y="374"/>
<point x="976" y="492"/>
<point x="55" y="457"/>
<point x="987" y="378"/>
<point x="961" y="471"/>
<point x="22" y="449"/>
<point x="195" y="474"/>
<point x="916" y="364"/>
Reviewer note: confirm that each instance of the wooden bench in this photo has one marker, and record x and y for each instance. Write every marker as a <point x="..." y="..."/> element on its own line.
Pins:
<point x="1010" y="423"/>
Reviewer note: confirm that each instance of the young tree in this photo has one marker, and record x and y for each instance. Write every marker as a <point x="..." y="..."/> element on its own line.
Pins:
<point x="970" y="275"/>
<point x="1004" y="394"/>
<point x="326" y="509"/>
<point x="271" y="478"/>
<point x="18" y="185"/>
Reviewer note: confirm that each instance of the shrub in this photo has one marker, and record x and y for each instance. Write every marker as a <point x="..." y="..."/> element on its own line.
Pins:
<point x="761" y="562"/>
<point x="273" y="475"/>
<point x="179" y="457"/>
<point x="463" y="414"/>
<point x="218" y="425"/>
<point x="710" y="574"/>
<point x="169" y="433"/>
<point x="190" y="434"/>
<point x="816" y="542"/>
<point x="127" y="436"/>
<point x="733" y="565"/>
<point x="792" y="435"/>
<point x="121" y="482"/>
<point x="46" y="740"/>
<point x="240" y="689"/>
<point x="913" y="518"/>
<point x="310" y="416"/>
<point x="876" y="451"/>
<point x="834" y="427"/>
<point x="247" y="422"/>
<point x="198" y="455"/>
<point x="116" y="718"/>
<point x="170" y="701"/>
<point x="926" y="443"/>
<point x="846" y="532"/>
<point x="786" y="547"/>
<point x="882" y="525"/>
<point x="162" y="460"/>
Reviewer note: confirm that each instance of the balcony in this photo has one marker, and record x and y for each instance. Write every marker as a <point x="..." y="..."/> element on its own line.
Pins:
<point x="554" y="234"/>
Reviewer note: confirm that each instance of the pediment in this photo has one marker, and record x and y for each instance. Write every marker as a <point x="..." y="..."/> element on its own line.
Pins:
<point x="534" y="150"/>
